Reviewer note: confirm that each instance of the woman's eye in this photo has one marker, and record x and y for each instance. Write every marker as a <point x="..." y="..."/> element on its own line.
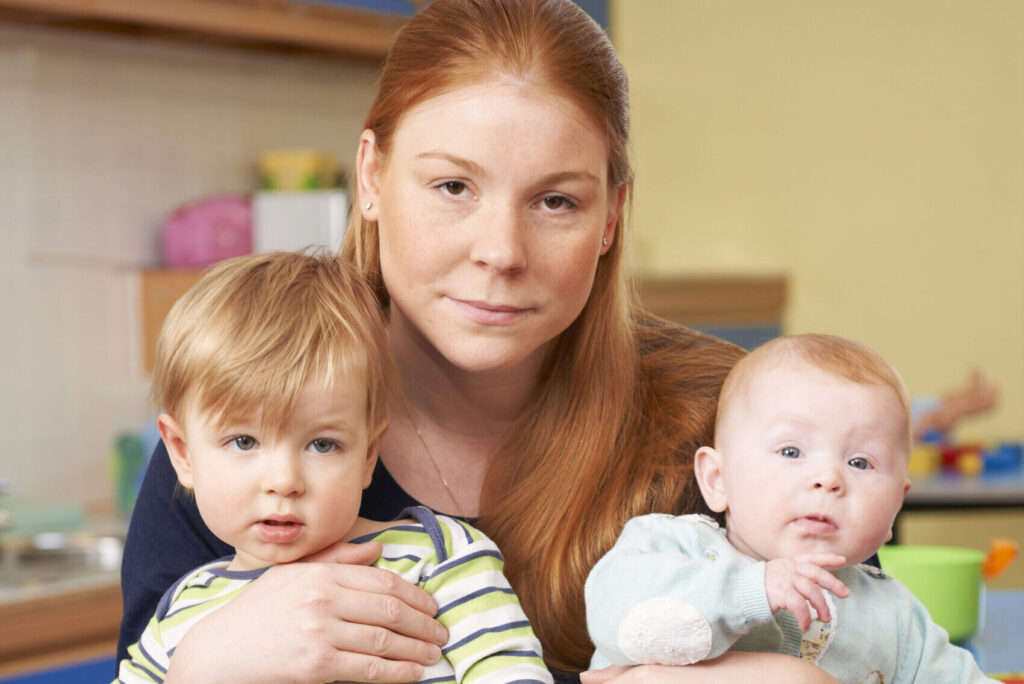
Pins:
<point x="323" y="446"/>
<point x="789" y="452"/>
<point x="859" y="463"/>
<point x="556" y="202"/>
<point x="244" y="443"/>
<point x="453" y="187"/>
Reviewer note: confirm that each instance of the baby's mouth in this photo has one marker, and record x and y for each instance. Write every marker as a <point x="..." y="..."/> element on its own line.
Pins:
<point x="816" y="524"/>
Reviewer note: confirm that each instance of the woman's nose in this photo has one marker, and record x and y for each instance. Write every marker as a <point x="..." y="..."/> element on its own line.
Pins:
<point x="283" y="475"/>
<point x="499" y="242"/>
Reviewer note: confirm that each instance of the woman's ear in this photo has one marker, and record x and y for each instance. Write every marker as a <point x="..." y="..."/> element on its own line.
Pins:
<point x="173" y="436"/>
<point x="373" y="451"/>
<point x="618" y="200"/>
<point x="368" y="175"/>
<point x="707" y="468"/>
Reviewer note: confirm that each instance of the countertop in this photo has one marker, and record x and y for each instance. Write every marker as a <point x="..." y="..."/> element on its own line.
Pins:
<point x="955" y="491"/>
<point x="60" y="595"/>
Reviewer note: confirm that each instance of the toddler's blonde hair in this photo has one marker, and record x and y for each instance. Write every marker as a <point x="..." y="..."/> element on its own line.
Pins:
<point x="256" y="329"/>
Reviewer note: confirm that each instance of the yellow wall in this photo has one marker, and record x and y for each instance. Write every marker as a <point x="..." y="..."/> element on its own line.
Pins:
<point x="871" y="149"/>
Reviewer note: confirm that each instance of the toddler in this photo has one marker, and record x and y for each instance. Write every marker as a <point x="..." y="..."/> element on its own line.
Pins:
<point x="273" y="376"/>
<point x="812" y="440"/>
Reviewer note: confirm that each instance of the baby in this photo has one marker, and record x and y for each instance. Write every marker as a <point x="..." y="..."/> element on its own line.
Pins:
<point x="809" y="467"/>
<point x="273" y="376"/>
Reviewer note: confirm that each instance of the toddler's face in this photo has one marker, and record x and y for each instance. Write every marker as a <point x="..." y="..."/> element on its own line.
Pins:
<point x="279" y="498"/>
<point x="812" y="463"/>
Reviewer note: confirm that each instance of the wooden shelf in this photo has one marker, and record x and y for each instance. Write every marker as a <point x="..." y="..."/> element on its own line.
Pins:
<point x="716" y="299"/>
<point x="264" y="24"/>
<point x="161" y="287"/>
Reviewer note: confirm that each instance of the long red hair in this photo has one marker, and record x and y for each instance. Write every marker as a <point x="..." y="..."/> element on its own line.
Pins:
<point x="622" y="403"/>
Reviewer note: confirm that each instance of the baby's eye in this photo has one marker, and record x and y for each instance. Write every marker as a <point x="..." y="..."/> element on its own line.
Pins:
<point x="789" y="452"/>
<point x="244" y="443"/>
<point x="453" y="187"/>
<point x="323" y="446"/>
<point x="859" y="463"/>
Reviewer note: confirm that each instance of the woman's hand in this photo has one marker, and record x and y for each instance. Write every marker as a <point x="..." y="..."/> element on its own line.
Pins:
<point x="733" y="666"/>
<point x="324" y="619"/>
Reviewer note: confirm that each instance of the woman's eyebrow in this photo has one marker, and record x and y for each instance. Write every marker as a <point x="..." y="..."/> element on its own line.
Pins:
<point x="477" y="170"/>
<point x="562" y="176"/>
<point x="467" y="164"/>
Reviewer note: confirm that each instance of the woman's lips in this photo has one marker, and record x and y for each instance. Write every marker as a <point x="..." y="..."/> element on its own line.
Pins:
<point x="279" y="531"/>
<point x="490" y="314"/>
<point x="816" y="524"/>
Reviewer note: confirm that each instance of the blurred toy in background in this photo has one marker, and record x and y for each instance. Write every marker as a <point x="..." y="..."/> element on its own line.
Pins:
<point x="205" y="231"/>
<point x="934" y="423"/>
<point x="977" y="396"/>
<point x="127" y="462"/>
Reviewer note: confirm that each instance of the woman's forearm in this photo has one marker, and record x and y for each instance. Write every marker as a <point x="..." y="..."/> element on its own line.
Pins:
<point x="734" y="667"/>
<point x="737" y="666"/>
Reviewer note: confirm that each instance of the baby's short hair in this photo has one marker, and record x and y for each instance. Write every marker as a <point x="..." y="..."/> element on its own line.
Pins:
<point x="839" y="356"/>
<point x="255" y="329"/>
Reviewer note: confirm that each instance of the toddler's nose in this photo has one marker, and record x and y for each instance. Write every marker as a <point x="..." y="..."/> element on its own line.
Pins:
<point x="283" y="476"/>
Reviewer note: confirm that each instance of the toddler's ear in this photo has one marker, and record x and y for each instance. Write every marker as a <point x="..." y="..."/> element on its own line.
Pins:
<point x="707" y="467"/>
<point x="373" y="451"/>
<point x="173" y="436"/>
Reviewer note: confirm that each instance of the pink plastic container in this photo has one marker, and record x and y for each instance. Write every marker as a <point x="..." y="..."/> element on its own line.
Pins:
<point x="208" y="230"/>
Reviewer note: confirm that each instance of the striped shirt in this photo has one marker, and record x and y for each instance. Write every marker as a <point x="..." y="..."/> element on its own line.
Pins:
<point x="490" y="640"/>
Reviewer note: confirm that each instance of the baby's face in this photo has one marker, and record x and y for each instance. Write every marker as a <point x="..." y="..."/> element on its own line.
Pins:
<point x="812" y="463"/>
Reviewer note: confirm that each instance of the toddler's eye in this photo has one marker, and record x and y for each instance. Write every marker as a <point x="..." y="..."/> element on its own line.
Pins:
<point x="859" y="463"/>
<point x="323" y="446"/>
<point x="789" y="452"/>
<point x="244" y="443"/>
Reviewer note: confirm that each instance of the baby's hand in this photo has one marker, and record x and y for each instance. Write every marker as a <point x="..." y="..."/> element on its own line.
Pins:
<point x="791" y="583"/>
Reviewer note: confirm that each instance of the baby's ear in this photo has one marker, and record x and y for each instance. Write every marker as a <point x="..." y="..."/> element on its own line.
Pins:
<point x="707" y="468"/>
<point x="173" y="436"/>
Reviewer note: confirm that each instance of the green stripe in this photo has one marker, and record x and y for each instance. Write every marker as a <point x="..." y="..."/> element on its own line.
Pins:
<point x="490" y="641"/>
<point x="469" y="609"/>
<point x="497" y="662"/>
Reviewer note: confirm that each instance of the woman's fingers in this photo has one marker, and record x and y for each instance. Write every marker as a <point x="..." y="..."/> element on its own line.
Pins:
<point x="379" y="642"/>
<point x="383" y="625"/>
<point x="368" y="596"/>
<point x="351" y="554"/>
<point x="359" y="667"/>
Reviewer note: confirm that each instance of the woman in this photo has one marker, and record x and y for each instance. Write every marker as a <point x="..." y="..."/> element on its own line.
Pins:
<point x="492" y="176"/>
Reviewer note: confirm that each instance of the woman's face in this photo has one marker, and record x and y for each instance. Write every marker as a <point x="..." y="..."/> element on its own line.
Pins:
<point x="492" y="206"/>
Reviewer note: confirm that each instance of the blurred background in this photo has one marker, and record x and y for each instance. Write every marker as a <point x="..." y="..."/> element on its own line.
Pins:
<point x="847" y="167"/>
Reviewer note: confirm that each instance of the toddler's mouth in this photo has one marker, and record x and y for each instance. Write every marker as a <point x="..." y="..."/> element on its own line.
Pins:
<point x="279" y="530"/>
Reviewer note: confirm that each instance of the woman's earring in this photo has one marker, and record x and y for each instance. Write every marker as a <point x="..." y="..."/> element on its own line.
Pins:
<point x="604" y="242"/>
<point x="368" y="206"/>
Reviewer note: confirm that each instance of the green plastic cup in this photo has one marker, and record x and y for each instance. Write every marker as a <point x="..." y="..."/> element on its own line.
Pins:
<point x="946" y="579"/>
